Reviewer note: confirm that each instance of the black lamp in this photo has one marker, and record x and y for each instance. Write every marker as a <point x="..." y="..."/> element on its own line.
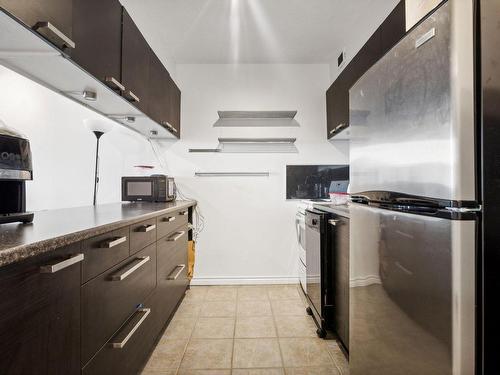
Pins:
<point x="99" y="128"/>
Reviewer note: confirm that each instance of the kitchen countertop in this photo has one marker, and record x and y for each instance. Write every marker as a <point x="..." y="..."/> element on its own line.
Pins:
<point x="52" y="229"/>
<point x="342" y="209"/>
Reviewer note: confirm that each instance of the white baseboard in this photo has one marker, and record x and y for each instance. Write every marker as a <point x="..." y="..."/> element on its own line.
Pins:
<point x="243" y="280"/>
<point x="364" y="281"/>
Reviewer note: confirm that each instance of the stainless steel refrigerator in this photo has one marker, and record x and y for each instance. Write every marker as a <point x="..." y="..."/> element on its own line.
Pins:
<point x="416" y="174"/>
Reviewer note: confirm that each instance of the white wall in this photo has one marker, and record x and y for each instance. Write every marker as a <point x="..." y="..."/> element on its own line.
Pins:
<point x="250" y="228"/>
<point x="64" y="149"/>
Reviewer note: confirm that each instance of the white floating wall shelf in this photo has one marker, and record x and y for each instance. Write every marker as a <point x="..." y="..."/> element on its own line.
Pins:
<point x="266" y="119"/>
<point x="231" y="174"/>
<point x="258" y="145"/>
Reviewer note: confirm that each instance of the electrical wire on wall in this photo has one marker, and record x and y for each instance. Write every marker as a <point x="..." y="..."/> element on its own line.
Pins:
<point x="198" y="218"/>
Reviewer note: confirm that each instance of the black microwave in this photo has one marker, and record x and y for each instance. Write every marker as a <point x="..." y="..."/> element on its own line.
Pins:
<point x="155" y="188"/>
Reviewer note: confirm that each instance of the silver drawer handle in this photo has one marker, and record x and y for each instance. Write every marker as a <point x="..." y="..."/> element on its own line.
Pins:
<point x="108" y="244"/>
<point x="181" y="268"/>
<point x="183" y="213"/>
<point x="146" y="228"/>
<point x="333" y="222"/>
<point x="114" y="83"/>
<point x="168" y="219"/>
<point x="131" y="96"/>
<point x="67" y="42"/>
<point x="176" y="236"/>
<point x="53" y="268"/>
<point x="123" y="338"/>
<point x="131" y="270"/>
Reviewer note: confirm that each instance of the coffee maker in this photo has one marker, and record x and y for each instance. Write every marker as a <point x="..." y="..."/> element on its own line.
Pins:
<point x="15" y="170"/>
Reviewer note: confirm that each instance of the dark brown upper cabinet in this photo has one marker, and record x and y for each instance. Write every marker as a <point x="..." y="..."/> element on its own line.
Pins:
<point x="160" y="102"/>
<point x="136" y="56"/>
<point x="175" y="108"/>
<point x="97" y="32"/>
<point x="382" y="40"/>
<point x="53" y="19"/>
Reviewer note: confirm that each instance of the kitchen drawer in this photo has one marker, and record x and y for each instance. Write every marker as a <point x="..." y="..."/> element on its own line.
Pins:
<point x="169" y="222"/>
<point x="169" y="245"/>
<point x="122" y="356"/>
<point x="172" y="279"/>
<point x="109" y="299"/>
<point x="142" y="234"/>
<point x="104" y="251"/>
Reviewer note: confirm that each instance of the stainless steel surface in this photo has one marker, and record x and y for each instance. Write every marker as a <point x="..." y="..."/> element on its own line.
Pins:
<point x="114" y="83"/>
<point x="337" y="209"/>
<point x="14" y="174"/>
<point x="231" y="174"/>
<point x="333" y="222"/>
<point x="146" y="228"/>
<point x="131" y="96"/>
<point x="176" y="236"/>
<point x="53" y="268"/>
<point x="121" y="339"/>
<point x="108" y="244"/>
<point x="44" y="25"/>
<point x="412" y="294"/>
<point x="174" y="277"/>
<point x="135" y="265"/>
<point x="418" y="137"/>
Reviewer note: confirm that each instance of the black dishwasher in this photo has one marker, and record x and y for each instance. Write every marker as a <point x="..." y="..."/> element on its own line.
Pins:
<point x="327" y="259"/>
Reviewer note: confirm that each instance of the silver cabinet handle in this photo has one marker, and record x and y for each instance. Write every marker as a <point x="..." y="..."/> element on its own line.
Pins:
<point x="176" y="236"/>
<point x="108" y="244"/>
<point x="183" y="213"/>
<point x="131" y="270"/>
<point x="53" y="268"/>
<point x="131" y="96"/>
<point x="168" y="219"/>
<point x="67" y="42"/>
<point x="331" y="131"/>
<point x="114" y="83"/>
<point x="333" y="222"/>
<point x="146" y="228"/>
<point x="181" y="268"/>
<point x="167" y="124"/>
<point x="121" y="339"/>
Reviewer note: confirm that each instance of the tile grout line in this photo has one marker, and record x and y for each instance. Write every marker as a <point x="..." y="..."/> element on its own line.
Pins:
<point x="277" y="334"/>
<point x="234" y="330"/>
<point x="190" y="336"/>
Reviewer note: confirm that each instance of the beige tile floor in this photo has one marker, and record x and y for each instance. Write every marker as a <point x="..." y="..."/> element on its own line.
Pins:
<point x="244" y="330"/>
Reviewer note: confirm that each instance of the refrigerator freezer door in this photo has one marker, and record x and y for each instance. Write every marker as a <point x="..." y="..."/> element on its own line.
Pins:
<point x="411" y="294"/>
<point x="418" y="136"/>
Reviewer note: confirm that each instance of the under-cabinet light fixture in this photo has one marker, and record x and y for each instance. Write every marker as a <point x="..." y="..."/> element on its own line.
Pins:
<point x="88" y="95"/>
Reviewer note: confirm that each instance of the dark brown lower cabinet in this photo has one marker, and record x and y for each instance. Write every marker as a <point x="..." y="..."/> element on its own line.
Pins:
<point x="40" y="315"/>
<point x="127" y="350"/>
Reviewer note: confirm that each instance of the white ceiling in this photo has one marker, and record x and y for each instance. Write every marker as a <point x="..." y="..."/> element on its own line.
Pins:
<point x="256" y="31"/>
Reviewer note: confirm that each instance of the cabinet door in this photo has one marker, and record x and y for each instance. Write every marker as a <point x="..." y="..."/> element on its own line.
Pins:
<point x="175" y="108"/>
<point x="97" y="32"/>
<point x="56" y="12"/>
<point x="393" y="28"/>
<point x="159" y="98"/>
<point x="135" y="64"/>
<point x="40" y="315"/>
<point x="337" y="105"/>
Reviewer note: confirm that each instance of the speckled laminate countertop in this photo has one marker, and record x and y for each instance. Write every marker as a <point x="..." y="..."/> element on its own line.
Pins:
<point x="52" y="229"/>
